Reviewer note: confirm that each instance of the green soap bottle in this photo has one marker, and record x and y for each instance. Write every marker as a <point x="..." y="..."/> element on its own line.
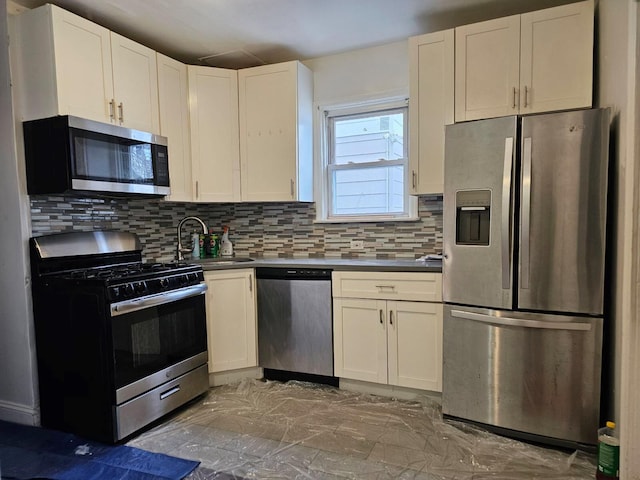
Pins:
<point x="608" y="453"/>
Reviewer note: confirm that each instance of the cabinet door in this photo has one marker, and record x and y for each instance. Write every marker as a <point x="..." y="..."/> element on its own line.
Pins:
<point x="173" y="93"/>
<point x="487" y="69"/>
<point x="431" y="81"/>
<point x="135" y="84"/>
<point x="556" y="69"/>
<point x="415" y="345"/>
<point x="360" y="339"/>
<point x="213" y="106"/>
<point x="231" y="320"/>
<point x="82" y="66"/>
<point x="268" y="132"/>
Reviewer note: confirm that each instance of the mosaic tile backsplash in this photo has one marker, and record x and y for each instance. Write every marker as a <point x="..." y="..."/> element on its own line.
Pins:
<point x="256" y="229"/>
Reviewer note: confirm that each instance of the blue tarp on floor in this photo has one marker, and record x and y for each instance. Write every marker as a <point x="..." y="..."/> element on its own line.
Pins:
<point x="37" y="453"/>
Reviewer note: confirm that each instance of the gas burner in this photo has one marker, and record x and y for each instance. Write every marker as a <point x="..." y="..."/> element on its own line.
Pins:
<point x="133" y="280"/>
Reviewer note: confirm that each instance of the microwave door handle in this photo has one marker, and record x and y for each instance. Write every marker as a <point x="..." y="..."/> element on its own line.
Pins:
<point x="506" y="211"/>
<point x="526" y="215"/>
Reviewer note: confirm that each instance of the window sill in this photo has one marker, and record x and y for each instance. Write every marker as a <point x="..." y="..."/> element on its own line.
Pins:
<point x="367" y="219"/>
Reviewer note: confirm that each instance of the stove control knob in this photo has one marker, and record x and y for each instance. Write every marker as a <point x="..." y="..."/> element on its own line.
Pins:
<point x="140" y="287"/>
<point x="164" y="282"/>
<point x="127" y="290"/>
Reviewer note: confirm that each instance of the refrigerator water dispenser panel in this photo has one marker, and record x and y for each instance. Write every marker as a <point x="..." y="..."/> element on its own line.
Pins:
<point x="473" y="217"/>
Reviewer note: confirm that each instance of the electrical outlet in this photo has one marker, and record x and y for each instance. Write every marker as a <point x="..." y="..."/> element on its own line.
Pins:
<point x="357" y="244"/>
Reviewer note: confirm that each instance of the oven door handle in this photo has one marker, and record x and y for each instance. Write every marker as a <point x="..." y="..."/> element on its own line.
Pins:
<point x="128" y="306"/>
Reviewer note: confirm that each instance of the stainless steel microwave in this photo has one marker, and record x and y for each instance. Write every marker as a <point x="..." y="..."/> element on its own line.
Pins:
<point x="67" y="153"/>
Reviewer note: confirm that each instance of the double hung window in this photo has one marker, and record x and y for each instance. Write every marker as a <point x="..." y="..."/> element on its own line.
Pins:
<point x="366" y="164"/>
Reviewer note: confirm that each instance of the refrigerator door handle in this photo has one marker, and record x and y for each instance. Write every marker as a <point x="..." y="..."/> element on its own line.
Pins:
<point x="506" y="203"/>
<point x="519" y="322"/>
<point x="526" y="214"/>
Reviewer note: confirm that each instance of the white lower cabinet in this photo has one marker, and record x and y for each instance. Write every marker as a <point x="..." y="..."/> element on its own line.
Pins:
<point x="231" y="319"/>
<point x="395" y="342"/>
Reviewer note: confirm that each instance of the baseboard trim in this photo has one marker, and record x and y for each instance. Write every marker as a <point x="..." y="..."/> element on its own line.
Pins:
<point x="402" y="393"/>
<point x="17" y="413"/>
<point x="232" y="376"/>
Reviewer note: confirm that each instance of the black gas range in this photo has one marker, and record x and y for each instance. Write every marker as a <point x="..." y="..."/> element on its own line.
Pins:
<point x="119" y="342"/>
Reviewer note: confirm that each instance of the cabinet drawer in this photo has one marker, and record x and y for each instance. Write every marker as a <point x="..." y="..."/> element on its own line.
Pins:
<point x="415" y="286"/>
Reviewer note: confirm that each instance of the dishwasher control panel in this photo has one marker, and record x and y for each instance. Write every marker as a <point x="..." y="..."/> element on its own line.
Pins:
<point x="294" y="273"/>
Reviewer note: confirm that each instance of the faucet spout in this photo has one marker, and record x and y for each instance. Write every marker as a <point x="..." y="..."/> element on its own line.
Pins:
<point x="180" y="251"/>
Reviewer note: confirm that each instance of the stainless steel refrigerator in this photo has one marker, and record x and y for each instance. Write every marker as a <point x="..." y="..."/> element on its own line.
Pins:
<point x="523" y="273"/>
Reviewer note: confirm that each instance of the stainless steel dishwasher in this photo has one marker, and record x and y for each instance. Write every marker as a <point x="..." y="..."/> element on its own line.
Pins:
<point x="295" y="322"/>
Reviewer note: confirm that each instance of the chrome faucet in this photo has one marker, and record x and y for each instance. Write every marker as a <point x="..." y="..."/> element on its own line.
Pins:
<point x="180" y="251"/>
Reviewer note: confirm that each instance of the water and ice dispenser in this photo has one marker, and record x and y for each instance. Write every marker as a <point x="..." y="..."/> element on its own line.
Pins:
<point x="473" y="217"/>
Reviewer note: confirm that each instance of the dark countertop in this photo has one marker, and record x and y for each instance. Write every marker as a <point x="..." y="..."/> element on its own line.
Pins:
<point x="387" y="265"/>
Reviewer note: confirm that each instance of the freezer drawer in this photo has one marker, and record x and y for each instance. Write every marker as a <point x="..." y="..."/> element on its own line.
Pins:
<point x="532" y="373"/>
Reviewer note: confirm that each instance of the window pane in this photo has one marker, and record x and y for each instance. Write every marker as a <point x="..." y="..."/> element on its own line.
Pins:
<point x="376" y="190"/>
<point x="368" y="138"/>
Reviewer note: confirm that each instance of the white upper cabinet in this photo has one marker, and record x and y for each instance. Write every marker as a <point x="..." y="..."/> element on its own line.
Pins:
<point x="173" y="94"/>
<point x="556" y="59"/>
<point x="213" y="107"/>
<point x="535" y="62"/>
<point x="65" y="64"/>
<point x="71" y="66"/>
<point x="276" y="132"/>
<point x="135" y="84"/>
<point x="431" y="97"/>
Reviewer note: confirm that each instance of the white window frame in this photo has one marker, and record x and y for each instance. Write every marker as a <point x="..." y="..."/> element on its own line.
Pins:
<point x="324" y="168"/>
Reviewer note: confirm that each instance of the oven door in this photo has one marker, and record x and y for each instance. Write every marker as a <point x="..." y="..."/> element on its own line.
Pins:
<point x="157" y="338"/>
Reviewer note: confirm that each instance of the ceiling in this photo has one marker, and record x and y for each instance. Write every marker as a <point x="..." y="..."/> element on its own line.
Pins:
<point x="242" y="33"/>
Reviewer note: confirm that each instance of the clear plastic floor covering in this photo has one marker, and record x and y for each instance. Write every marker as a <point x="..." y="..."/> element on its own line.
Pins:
<point x="255" y="429"/>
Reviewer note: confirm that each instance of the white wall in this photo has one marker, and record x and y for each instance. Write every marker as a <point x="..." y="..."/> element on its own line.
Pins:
<point x="18" y="384"/>
<point x="616" y="86"/>
<point x="361" y="74"/>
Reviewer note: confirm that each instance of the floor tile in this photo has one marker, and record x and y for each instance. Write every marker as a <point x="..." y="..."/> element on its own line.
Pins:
<point x="295" y="430"/>
<point x="399" y="456"/>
